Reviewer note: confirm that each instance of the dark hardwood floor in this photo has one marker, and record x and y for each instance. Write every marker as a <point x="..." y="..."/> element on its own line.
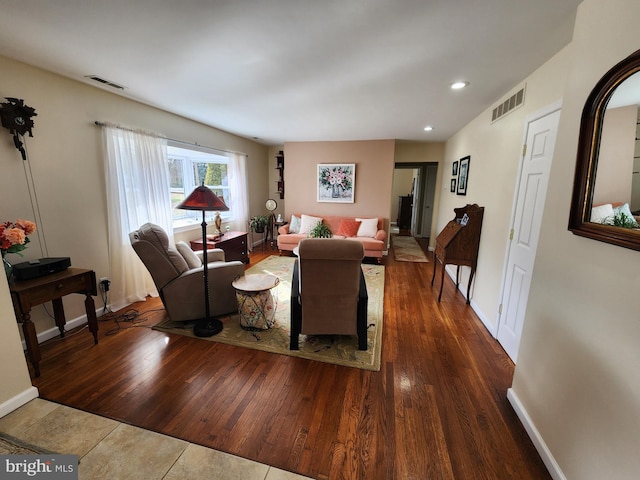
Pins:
<point x="436" y="409"/>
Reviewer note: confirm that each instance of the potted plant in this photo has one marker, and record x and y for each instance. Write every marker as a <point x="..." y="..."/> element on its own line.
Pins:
<point x="259" y="223"/>
<point x="321" y="230"/>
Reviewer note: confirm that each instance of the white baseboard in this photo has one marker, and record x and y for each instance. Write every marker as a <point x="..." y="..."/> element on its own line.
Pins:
<point x="17" y="401"/>
<point x="54" y="332"/>
<point x="538" y="442"/>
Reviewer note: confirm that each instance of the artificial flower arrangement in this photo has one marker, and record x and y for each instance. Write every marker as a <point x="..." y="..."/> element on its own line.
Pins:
<point x="14" y="236"/>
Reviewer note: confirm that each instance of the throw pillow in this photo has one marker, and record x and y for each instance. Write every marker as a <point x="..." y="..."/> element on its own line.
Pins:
<point x="294" y="224"/>
<point x="189" y="256"/>
<point x="348" y="227"/>
<point x="307" y="222"/>
<point x="626" y="211"/>
<point x="368" y="227"/>
<point x="602" y="213"/>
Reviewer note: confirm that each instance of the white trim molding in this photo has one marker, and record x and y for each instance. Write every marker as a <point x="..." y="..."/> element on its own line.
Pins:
<point x="17" y="401"/>
<point x="538" y="442"/>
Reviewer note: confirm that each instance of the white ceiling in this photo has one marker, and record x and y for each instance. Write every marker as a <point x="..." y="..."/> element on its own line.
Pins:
<point x="296" y="70"/>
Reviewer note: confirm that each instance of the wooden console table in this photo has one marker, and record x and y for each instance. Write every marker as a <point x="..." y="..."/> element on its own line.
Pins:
<point x="234" y="245"/>
<point x="26" y="294"/>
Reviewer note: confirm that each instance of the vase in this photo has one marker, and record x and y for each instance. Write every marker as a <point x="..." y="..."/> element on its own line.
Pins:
<point x="335" y="191"/>
<point x="8" y="268"/>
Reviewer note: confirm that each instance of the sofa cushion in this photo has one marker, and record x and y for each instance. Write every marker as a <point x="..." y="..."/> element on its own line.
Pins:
<point x="348" y="227"/>
<point x="368" y="227"/>
<point x="601" y="213"/>
<point x="369" y="244"/>
<point x="307" y="223"/>
<point x="625" y="211"/>
<point x="294" y="225"/>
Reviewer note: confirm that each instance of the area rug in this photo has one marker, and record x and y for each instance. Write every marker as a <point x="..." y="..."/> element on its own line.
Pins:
<point x="13" y="446"/>
<point x="406" y="249"/>
<point x="337" y="349"/>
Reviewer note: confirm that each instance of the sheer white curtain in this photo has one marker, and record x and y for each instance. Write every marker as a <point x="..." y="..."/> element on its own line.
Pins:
<point x="137" y="184"/>
<point x="239" y="191"/>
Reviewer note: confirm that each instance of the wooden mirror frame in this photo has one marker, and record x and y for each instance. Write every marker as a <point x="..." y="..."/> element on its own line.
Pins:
<point x="587" y="160"/>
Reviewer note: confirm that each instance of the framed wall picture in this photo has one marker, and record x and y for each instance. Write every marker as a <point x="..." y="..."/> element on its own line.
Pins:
<point x="453" y="185"/>
<point x="454" y="168"/>
<point x="463" y="175"/>
<point x="336" y="182"/>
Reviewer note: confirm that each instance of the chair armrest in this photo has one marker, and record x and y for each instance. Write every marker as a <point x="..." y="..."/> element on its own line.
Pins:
<point x="381" y="235"/>
<point x="213" y="255"/>
<point x="283" y="230"/>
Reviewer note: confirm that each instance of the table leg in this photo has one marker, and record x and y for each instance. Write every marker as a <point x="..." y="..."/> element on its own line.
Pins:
<point x="33" y="350"/>
<point x="58" y="313"/>
<point x="473" y="270"/>
<point x="92" y="320"/>
<point x="435" y="265"/>
<point x="441" y="281"/>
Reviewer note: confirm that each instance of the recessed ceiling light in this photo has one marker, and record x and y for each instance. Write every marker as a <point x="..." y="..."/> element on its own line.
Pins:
<point x="428" y="128"/>
<point x="459" y="85"/>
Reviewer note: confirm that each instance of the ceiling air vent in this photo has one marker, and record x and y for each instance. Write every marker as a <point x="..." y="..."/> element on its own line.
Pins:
<point x="95" y="78"/>
<point x="514" y="101"/>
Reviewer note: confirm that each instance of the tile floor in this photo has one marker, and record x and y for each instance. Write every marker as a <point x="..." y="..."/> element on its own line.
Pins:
<point x="110" y="449"/>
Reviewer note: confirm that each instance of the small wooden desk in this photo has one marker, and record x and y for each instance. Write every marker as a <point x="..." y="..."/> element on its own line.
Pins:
<point x="29" y="293"/>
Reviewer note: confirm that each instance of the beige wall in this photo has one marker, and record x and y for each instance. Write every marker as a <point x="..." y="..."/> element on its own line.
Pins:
<point x="374" y="177"/>
<point x="615" y="159"/>
<point x="14" y="376"/>
<point x="577" y="373"/>
<point x="66" y="163"/>
<point x="496" y="151"/>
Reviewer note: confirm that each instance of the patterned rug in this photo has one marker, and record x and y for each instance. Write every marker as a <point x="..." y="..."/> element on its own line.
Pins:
<point x="13" y="446"/>
<point x="406" y="249"/>
<point x="341" y="350"/>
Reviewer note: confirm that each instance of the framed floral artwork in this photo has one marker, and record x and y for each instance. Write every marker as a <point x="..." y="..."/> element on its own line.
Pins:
<point x="336" y="182"/>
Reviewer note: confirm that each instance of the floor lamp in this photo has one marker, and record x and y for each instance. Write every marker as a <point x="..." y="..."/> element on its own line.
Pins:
<point x="203" y="199"/>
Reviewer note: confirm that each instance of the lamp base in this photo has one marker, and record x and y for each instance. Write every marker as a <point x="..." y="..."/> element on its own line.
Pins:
<point x="207" y="327"/>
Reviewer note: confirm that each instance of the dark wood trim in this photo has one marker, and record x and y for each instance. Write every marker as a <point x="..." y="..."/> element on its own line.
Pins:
<point x="587" y="160"/>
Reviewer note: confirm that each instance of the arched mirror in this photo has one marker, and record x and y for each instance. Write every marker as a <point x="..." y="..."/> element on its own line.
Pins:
<point x="605" y="204"/>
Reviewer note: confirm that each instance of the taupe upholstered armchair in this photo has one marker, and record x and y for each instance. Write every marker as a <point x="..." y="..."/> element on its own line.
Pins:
<point x="177" y="273"/>
<point x="328" y="291"/>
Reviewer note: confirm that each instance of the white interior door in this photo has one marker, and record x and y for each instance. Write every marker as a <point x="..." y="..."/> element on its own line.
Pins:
<point x="531" y="194"/>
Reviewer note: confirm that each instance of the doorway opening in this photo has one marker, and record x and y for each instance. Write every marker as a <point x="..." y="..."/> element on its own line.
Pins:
<point x="413" y="193"/>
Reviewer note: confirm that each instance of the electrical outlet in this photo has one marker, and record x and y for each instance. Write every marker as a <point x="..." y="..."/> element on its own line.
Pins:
<point x="104" y="284"/>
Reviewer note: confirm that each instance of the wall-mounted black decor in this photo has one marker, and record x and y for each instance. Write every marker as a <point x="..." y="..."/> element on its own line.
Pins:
<point x="16" y="117"/>
<point x="463" y="175"/>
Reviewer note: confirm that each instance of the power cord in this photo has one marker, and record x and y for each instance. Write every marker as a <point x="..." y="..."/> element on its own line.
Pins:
<point x="131" y="316"/>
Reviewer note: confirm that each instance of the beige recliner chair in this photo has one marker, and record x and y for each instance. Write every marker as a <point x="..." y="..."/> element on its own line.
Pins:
<point x="178" y="275"/>
<point x="328" y="290"/>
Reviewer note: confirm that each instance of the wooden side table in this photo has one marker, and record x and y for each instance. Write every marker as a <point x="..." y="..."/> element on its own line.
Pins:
<point x="29" y="293"/>
<point x="234" y="245"/>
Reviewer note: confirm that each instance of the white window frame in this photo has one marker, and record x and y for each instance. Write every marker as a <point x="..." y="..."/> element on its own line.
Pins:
<point x="190" y="154"/>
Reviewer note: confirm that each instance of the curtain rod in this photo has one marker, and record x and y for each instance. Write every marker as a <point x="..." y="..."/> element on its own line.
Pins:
<point x="157" y="135"/>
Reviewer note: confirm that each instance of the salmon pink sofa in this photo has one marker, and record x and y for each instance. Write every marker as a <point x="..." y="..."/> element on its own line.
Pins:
<point x="366" y="230"/>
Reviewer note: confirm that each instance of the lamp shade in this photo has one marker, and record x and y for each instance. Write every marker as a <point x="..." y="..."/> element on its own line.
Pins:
<point x="202" y="198"/>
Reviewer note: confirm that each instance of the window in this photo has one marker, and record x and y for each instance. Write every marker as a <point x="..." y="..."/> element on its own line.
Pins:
<point x="190" y="167"/>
